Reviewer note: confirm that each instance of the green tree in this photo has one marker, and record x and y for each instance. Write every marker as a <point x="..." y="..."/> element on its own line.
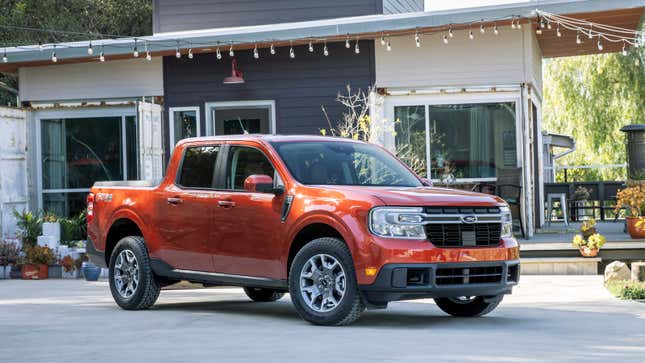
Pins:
<point x="114" y="17"/>
<point x="590" y="98"/>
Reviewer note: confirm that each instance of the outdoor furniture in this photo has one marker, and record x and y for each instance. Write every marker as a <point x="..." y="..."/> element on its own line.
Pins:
<point x="508" y="188"/>
<point x="562" y="198"/>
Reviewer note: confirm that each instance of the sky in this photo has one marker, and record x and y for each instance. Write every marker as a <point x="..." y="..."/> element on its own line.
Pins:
<point x="434" y="5"/>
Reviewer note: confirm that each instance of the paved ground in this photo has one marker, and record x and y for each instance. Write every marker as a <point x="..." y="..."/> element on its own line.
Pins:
<point x="549" y="318"/>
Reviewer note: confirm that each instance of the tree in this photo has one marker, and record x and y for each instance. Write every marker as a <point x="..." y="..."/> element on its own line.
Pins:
<point x="591" y="98"/>
<point x="113" y="17"/>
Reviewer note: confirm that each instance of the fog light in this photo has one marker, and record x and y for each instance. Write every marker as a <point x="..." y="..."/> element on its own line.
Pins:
<point x="371" y="271"/>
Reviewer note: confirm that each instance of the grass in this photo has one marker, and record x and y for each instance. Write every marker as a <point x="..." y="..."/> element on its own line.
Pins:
<point x="627" y="290"/>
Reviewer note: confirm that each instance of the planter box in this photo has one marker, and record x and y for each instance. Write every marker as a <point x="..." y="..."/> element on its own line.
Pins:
<point x="55" y="272"/>
<point x="34" y="272"/>
<point x="5" y="272"/>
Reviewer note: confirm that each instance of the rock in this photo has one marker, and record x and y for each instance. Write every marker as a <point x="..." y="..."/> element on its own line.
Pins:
<point x="638" y="271"/>
<point x="617" y="271"/>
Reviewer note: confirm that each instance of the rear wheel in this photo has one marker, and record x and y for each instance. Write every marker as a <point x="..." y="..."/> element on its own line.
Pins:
<point x="468" y="306"/>
<point x="263" y="295"/>
<point x="322" y="283"/>
<point x="132" y="282"/>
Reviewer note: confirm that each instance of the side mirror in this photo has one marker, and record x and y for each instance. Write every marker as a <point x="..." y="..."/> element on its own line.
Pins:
<point x="261" y="184"/>
<point x="426" y="182"/>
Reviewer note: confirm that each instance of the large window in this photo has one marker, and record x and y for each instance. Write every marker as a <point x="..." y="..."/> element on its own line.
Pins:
<point x="460" y="141"/>
<point x="76" y="152"/>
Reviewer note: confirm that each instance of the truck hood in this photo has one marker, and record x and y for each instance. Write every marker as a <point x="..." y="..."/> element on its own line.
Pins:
<point x="423" y="196"/>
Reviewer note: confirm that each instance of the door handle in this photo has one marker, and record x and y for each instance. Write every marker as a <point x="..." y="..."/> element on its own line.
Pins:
<point x="174" y="201"/>
<point x="226" y="203"/>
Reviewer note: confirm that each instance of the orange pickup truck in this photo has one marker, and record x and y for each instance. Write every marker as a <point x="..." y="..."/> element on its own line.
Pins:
<point x="341" y="225"/>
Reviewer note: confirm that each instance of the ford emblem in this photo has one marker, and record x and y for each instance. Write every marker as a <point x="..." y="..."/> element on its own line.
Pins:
<point x="469" y="219"/>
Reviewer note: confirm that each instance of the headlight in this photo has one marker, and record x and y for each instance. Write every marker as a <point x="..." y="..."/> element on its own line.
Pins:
<point x="397" y="222"/>
<point x="507" y="222"/>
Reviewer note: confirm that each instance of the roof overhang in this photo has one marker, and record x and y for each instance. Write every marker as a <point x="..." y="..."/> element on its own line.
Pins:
<point x="624" y="13"/>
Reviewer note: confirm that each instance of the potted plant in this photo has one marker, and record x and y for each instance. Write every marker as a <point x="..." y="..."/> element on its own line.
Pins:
<point x="69" y="267"/>
<point x="91" y="271"/>
<point x="589" y="247"/>
<point x="9" y="256"/>
<point x="30" y="225"/>
<point x="633" y="199"/>
<point x="37" y="263"/>
<point x="51" y="226"/>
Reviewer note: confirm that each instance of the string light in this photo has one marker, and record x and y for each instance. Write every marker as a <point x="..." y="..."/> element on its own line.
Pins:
<point x="311" y="47"/>
<point x="578" y="39"/>
<point x="558" y="32"/>
<point x="40" y="46"/>
<point x="357" y="50"/>
<point x="190" y="53"/>
<point x="481" y="27"/>
<point x="292" y="53"/>
<point x="148" y="56"/>
<point x="347" y="42"/>
<point x="495" y="30"/>
<point x="90" y="50"/>
<point x="177" y="52"/>
<point x="548" y="25"/>
<point x="135" y="50"/>
<point x="231" y="53"/>
<point x="451" y="34"/>
<point x="325" y="50"/>
<point x="519" y="23"/>
<point x="4" y="56"/>
<point x="218" y="54"/>
<point x="382" y="39"/>
<point x="256" y="54"/>
<point x="471" y="35"/>
<point x="445" y="39"/>
<point x="513" y="26"/>
<point x="272" y="49"/>
<point x="600" y="47"/>
<point x="624" y="51"/>
<point x="102" y="55"/>
<point x="590" y="33"/>
<point x="53" y="57"/>
<point x="388" y="46"/>
<point x="417" y="39"/>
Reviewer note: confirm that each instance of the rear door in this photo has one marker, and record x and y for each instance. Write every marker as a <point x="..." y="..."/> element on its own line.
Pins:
<point x="185" y="209"/>
<point x="247" y="225"/>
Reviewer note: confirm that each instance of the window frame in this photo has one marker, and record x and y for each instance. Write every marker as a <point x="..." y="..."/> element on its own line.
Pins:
<point x="171" y="123"/>
<point x="216" y="171"/>
<point x="221" y="179"/>
<point x="455" y="99"/>
<point x="211" y="107"/>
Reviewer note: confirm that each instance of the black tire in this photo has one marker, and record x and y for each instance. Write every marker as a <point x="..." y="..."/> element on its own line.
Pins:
<point x="349" y="307"/>
<point x="478" y="306"/>
<point x="147" y="290"/>
<point x="259" y="294"/>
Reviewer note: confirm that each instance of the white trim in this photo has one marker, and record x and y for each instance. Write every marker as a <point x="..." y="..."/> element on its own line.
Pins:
<point x="39" y="115"/>
<point x="209" y="108"/>
<point x="171" y="126"/>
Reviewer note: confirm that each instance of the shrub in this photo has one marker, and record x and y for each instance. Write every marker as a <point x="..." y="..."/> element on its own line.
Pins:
<point x="633" y="291"/>
<point x="38" y="255"/>
<point x="9" y="253"/>
<point x="30" y="225"/>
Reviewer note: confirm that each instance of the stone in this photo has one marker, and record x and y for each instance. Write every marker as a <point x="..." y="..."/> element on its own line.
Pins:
<point x="617" y="271"/>
<point x="638" y="271"/>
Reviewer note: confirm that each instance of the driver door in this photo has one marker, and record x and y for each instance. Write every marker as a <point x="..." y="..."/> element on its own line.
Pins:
<point x="247" y="224"/>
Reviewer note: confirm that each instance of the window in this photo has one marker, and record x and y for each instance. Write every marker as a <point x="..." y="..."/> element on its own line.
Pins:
<point x="410" y="127"/>
<point x="184" y="123"/>
<point x="243" y="162"/>
<point x="198" y="167"/>
<point x="240" y="117"/>
<point x="76" y="152"/>
<point x="344" y="163"/>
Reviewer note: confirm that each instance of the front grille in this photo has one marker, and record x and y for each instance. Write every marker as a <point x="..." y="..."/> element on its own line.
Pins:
<point x="445" y="227"/>
<point x="468" y="275"/>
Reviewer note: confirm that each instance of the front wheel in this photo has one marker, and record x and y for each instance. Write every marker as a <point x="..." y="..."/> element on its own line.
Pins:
<point x="468" y="306"/>
<point x="263" y="295"/>
<point x="322" y="283"/>
<point x="132" y="282"/>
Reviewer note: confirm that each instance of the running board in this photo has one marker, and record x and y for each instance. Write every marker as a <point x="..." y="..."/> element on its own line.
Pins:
<point x="161" y="268"/>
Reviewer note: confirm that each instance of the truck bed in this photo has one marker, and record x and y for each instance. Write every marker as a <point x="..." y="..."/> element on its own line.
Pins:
<point x="128" y="184"/>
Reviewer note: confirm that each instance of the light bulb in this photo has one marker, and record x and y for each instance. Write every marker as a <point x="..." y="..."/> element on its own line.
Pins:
<point x="40" y="46"/>
<point x="382" y="39"/>
<point x="495" y="30"/>
<point x="357" y="50"/>
<point x="445" y="39"/>
<point x="148" y="56"/>
<point x="190" y="53"/>
<point x="417" y="41"/>
<point x="388" y="46"/>
<point x="311" y="47"/>
<point x="231" y="53"/>
<point x="135" y="50"/>
<point x="54" y="58"/>
<point x="578" y="39"/>
<point x="325" y="50"/>
<point x="558" y="32"/>
<point x="519" y="25"/>
<point x="590" y="34"/>
<point x="513" y="23"/>
<point x="218" y="54"/>
<point x="450" y="32"/>
<point x="272" y="50"/>
<point x="347" y="45"/>
<point x="538" y="31"/>
<point x="548" y="25"/>
<point x="471" y="35"/>
<point x="600" y="47"/>
<point x="624" y="51"/>
<point x="102" y="57"/>
<point x="482" y="29"/>
<point x="4" y="56"/>
<point x="90" y="50"/>
<point x="177" y="53"/>
<point x="292" y="53"/>
<point x="256" y="55"/>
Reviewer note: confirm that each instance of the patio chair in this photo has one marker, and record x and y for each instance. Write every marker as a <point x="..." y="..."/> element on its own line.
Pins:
<point x="508" y="188"/>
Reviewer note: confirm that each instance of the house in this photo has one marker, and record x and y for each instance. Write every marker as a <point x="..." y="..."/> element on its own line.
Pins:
<point x="461" y="88"/>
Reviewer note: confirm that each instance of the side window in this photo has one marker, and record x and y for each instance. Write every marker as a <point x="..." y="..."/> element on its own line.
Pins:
<point x="198" y="167"/>
<point x="245" y="161"/>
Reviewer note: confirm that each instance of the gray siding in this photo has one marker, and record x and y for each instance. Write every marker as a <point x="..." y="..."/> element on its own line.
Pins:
<point x="402" y="6"/>
<point x="178" y="15"/>
<point x="299" y="86"/>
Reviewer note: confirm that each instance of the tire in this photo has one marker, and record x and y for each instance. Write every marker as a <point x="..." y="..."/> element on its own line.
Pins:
<point x="348" y="306"/>
<point x="145" y="292"/>
<point x="263" y="295"/>
<point x="475" y="306"/>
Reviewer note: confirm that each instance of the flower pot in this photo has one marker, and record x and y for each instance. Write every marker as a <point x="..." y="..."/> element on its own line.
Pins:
<point x="5" y="272"/>
<point x="589" y="252"/>
<point x="634" y="232"/>
<point x="91" y="272"/>
<point x="55" y="272"/>
<point x="34" y="272"/>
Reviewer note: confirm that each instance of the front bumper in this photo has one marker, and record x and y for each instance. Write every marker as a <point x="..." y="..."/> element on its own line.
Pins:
<point x="416" y="281"/>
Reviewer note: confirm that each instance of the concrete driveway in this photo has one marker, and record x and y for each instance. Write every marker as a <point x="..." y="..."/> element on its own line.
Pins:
<point x="548" y="318"/>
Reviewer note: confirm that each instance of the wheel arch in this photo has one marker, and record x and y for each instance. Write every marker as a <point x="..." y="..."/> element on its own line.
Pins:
<point x="121" y="227"/>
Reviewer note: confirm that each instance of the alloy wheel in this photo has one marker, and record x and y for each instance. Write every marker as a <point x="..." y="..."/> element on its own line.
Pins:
<point x="126" y="274"/>
<point x="322" y="283"/>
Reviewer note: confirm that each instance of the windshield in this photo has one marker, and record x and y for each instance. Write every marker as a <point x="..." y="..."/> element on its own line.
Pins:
<point x="343" y="163"/>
